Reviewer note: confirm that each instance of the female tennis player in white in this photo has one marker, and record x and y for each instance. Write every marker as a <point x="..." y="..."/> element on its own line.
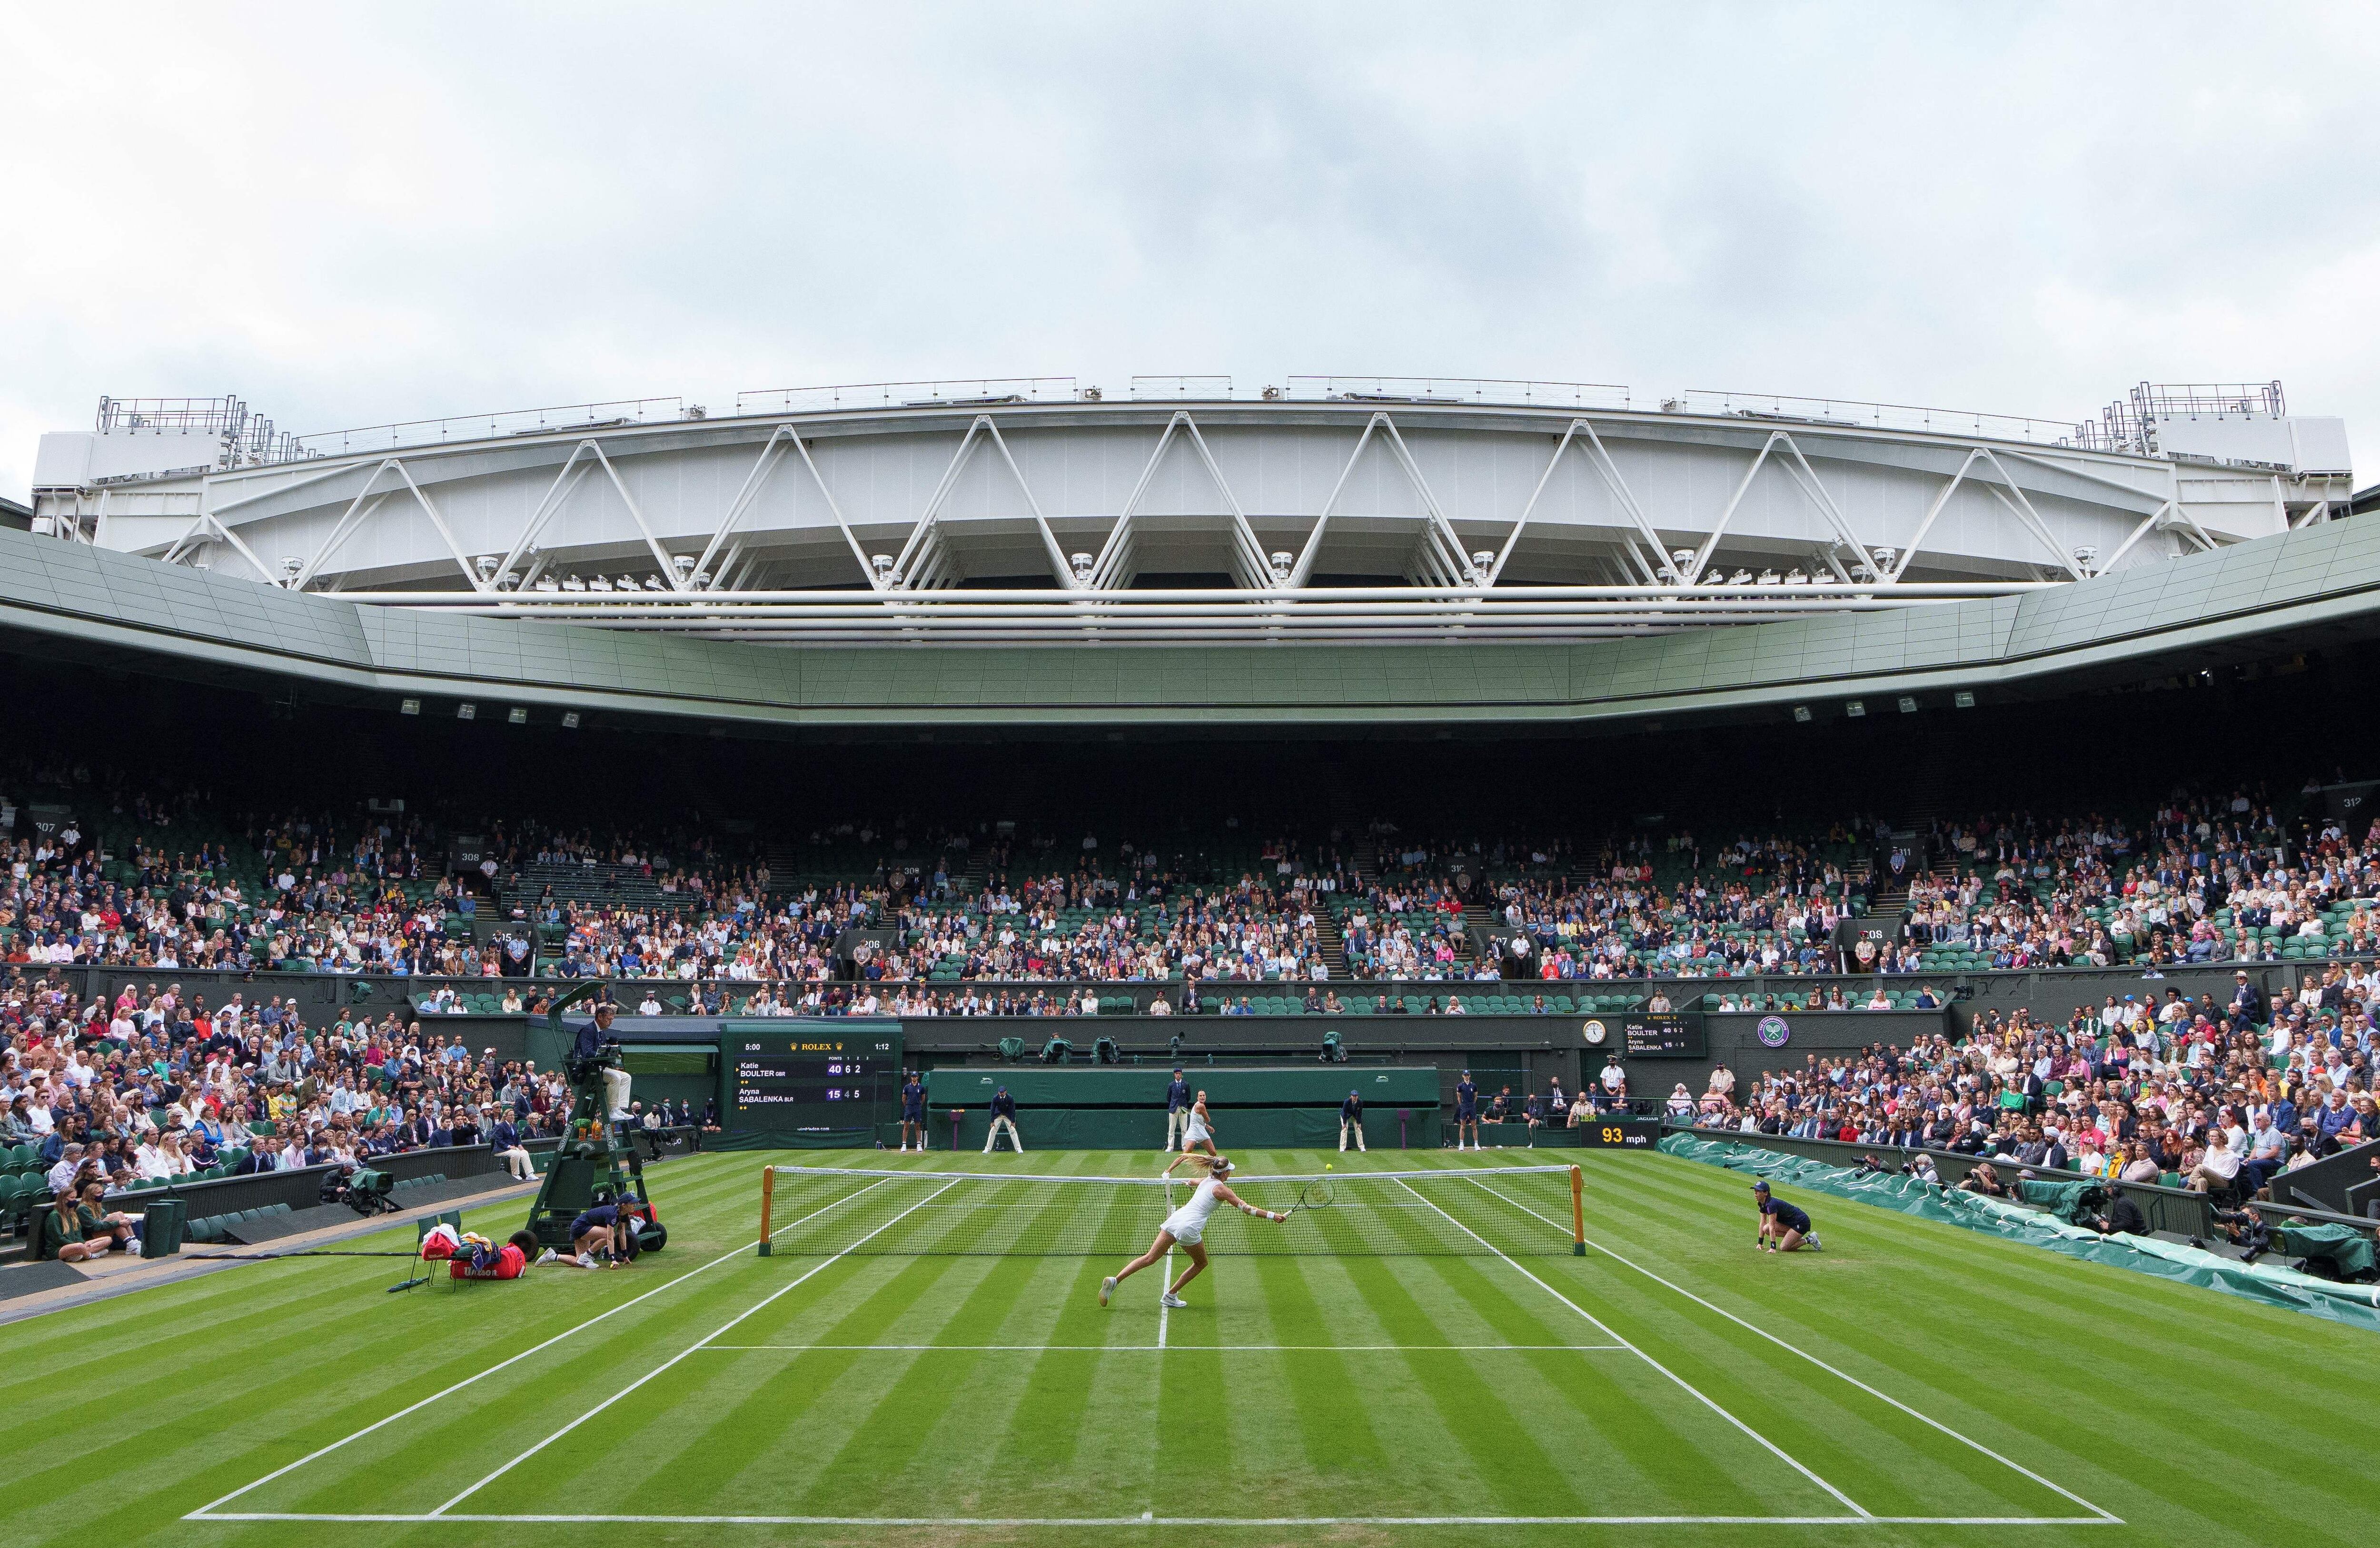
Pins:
<point x="1200" y="1133"/>
<point x="1187" y="1229"/>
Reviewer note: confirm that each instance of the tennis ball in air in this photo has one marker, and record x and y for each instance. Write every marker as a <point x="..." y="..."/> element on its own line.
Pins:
<point x="1327" y="1167"/>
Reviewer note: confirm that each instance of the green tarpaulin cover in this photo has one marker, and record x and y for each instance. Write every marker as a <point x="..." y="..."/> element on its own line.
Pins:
<point x="2266" y="1282"/>
<point x="2071" y="1202"/>
<point x="2345" y="1250"/>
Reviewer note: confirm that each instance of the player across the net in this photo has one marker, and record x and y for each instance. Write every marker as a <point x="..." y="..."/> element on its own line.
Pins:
<point x="819" y="1211"/>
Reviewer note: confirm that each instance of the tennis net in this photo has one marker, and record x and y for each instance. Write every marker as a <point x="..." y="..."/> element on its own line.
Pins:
<point x="826" y="1211"/>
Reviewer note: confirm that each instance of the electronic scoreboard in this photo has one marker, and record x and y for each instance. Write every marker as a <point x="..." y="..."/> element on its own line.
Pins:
<point x="1663" y="1035"/>
<point x="827" y="1077"/>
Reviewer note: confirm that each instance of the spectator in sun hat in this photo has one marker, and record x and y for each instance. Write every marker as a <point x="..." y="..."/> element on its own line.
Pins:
<point x="69" y="1162"/>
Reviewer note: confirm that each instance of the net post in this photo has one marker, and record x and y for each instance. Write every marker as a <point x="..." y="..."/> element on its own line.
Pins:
<point x="767" y="1197"/>
<point x="1577" y="1212"/>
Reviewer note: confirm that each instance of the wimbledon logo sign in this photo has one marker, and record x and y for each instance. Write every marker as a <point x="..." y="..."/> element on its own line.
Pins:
<point x="1772" y="1032"/>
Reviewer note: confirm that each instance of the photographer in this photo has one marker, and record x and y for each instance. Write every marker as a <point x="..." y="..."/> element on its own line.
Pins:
<point x="2244" y="1227"/>
<point x="1985" y="1182"/>
<point x="2122" y="1217"/>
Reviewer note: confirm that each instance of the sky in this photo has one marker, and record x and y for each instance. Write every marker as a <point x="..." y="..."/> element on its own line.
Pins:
<point x="351" y="215"/>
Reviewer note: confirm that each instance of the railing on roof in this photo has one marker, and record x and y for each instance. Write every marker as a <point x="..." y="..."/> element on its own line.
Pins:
<point x="2128" y="423"/>
<point x="982" y="392"/>
<point x="1454" y="389"/>
<point x="252" y="439"/>
<point x="1206" y="389"/>
<point x="247" y="438"/>
<point x="1875" y="415"/>
<point x="225" y="416"/>
<point x="483" y="427"/>
<point x="2163" y="400"/>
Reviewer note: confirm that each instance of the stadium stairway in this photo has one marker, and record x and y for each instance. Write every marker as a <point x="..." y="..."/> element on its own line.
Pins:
<point x="1929" y="798"/>
<point x="1334" y="945"/>
<point x="1480" y="923"/>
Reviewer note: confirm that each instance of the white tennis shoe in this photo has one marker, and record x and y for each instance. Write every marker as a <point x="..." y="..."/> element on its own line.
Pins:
<point x="1107" y="1288"/>
<point x="1173" y="1301"/>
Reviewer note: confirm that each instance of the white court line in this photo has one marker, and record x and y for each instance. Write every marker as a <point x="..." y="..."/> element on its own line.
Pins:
<point x="415" y="1407"/>
<point x="765" y="1301"/>
<point x="1169" y="1348"/>
<point x="1155" y="1520"/>
<point x="1165" y="1287"/>
<point x="1771" y="1446"/>
<point x="1923" y="1418"/>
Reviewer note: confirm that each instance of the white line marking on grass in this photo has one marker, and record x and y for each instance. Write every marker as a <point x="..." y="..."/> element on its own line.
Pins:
<point x="1165" y="1283"/>
<point x="1170" y="1348"/>
<point x="1149" y="1518"/>
<point x="1771" y="1446"/>
<point x="209" y="1508"/>
<point x="765" y="1301"/>
<point x="1881" y="1397"/>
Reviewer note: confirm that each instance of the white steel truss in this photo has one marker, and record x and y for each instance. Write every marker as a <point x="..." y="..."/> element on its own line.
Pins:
<point x="1113" y="564"/>
<point x="1656" y="570"/>
<point x="1437" y="559"/>
<point x="923" y="562"/>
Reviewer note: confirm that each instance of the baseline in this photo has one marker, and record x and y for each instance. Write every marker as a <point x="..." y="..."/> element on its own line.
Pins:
<point x="1688" y="1387"/>
<point x="208" y="1510"/>
<point x="1922" y="1418"/>
<point x="1165" y="1348"/>
<point x="1151" y="1519"/>
<point x="765" y="1302"/>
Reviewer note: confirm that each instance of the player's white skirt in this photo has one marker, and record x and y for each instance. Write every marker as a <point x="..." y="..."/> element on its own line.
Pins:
<point x="1185" y="1231"/>
<point x="1197" y="1132"/>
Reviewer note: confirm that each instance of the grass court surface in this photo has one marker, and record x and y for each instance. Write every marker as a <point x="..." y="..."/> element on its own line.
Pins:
<point x="1914" y="1383"/>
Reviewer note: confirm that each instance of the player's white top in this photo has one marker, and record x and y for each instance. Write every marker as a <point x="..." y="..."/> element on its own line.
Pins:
<point x="1197" y="1130"/>
<point x="1188" y="1224"/>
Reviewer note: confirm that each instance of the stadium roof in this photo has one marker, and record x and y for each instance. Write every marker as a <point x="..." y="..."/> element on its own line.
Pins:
<point x="2301" y="589"/>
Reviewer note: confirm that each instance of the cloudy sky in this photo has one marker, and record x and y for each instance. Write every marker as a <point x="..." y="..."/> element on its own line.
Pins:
<point x="349" y="215"/>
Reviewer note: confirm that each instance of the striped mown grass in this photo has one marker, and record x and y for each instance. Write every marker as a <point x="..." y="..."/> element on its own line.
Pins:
<point x="1914" y="1383"/>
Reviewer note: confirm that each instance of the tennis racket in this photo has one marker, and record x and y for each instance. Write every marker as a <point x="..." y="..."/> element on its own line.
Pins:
<point x="1316" y="1195"/>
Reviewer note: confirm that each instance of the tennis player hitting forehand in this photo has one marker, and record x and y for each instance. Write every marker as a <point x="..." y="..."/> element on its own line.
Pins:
<point x="1187" y="1229"/>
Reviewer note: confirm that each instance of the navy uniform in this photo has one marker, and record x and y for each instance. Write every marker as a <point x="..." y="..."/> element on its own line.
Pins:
<point x="1003" y="1116"/>
<point x="1351" y="1117"/>
<point x="1177" y="1110"/>
<point x="913" y="1111"/>
<point x="1466" y="1111"/>
<point x="1789" y="1224"/>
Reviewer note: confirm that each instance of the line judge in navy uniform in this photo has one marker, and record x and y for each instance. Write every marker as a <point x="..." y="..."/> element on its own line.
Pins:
<point x="1466" y="1111"/>
<point x="1351" y="1116"/>
<point x="1177" y="1108"/>
<point x="913" y="1112"/>
<point x="1003" y="1116"/>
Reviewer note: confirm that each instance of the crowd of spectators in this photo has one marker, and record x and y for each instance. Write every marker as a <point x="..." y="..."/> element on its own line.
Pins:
<point x="2205" y="879"/>
<point x="156" y="1083"/>
<point x="882" y="912"/>
<point x="1759" y="906"/>
<point x="2215" y="1096"/>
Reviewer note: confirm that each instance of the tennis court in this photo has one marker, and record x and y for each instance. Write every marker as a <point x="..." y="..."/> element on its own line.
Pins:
<point x="927" y="1350"/>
